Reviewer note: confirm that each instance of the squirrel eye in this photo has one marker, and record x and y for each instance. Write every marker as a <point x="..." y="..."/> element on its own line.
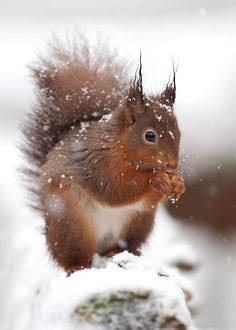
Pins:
<point x="150" y="136"/>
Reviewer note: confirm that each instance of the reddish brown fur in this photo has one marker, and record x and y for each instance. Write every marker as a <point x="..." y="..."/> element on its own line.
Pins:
<point x="106" y="166"/>
<point x="68" y="249"/>
<point x="64" y="77"/>
<point x="136" y="233"/>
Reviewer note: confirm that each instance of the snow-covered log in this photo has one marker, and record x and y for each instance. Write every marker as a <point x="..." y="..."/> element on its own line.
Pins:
<point x="120" y="293"/>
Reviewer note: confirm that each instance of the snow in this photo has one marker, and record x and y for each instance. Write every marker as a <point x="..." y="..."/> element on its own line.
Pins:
<point x="171" y="134"/>
<point x="106" y="118"/>
<point x="84" y="127"/>
<point x="168" y="108"/>
<point x="158" y="117"/>
<point x="202" y="11"/>
<point x="55" y="204"/>
<point x="63" y="294"/>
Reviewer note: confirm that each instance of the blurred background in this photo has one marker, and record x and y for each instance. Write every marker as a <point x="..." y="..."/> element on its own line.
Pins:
<point x="198" y="35"/>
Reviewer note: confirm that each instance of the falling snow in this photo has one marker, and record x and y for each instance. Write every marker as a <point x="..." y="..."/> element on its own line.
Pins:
<point x="106" y="118"/>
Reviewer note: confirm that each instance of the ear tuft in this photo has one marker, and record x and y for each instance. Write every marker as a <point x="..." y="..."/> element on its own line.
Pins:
<point x="136" y="88"/>
<point x="135" y="98"/>
<point x="167" y="97"/>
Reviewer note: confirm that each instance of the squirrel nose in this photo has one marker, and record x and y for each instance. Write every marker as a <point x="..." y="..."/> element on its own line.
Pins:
<point x="172" y="164"/>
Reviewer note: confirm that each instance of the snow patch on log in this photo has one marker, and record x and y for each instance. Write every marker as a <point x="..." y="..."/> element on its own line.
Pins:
<point x="123" y="292"/>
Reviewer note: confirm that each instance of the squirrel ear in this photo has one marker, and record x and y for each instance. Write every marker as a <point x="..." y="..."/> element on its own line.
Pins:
<point x="167" y="97"/>
<point x="135" y="97"/>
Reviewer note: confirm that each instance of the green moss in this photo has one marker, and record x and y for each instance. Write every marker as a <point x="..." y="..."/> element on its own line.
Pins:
<point x="110" y="302"/>
<point x="126" y="310"/>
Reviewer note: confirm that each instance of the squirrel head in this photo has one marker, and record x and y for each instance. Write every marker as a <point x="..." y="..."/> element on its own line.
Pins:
<point x="148" y="129"/>
<point x="142" y="133"/>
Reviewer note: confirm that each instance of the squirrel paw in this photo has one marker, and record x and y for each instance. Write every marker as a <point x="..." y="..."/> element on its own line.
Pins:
<point x="162" y="183"/>
<point x="178" y="187"/>
<point x="169" y="184"/>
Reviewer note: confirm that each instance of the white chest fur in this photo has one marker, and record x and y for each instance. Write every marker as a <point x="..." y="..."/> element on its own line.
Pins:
<point x="109" y="222"/>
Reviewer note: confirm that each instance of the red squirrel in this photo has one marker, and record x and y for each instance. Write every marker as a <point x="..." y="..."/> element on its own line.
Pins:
<point x="101" y="153"/>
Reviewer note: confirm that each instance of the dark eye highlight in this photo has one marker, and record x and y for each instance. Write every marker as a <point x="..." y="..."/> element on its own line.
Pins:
<point x="150" y="136"/>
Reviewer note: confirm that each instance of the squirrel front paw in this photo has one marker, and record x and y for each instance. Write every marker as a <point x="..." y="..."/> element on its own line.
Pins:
<point x="169" y="185"/>
<point x="178" y="186"/>
<point x="162" y="184"/>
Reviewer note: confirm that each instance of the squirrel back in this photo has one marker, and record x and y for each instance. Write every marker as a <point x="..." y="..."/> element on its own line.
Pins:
<point x="75" y="82"/>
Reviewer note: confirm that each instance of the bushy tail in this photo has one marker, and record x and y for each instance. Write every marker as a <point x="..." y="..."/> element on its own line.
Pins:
<point x="75" y="81"/>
